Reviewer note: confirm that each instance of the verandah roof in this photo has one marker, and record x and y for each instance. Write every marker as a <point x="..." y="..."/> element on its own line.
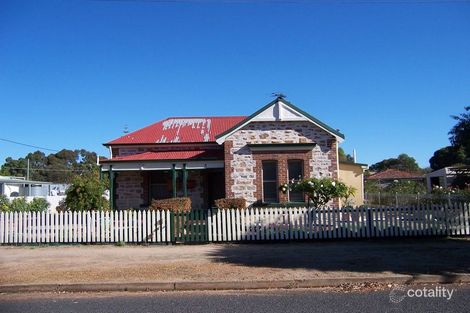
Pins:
<point x="209" y="154"/>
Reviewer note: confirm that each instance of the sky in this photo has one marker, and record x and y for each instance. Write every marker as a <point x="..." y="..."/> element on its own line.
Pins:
<point x="388" y="74"/>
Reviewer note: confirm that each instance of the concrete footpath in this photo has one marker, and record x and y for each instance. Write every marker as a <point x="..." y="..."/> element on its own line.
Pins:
<point x="233" y="266"/>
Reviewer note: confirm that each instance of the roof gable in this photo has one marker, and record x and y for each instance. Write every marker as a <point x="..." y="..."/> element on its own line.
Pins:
<point x="279" y="110"/>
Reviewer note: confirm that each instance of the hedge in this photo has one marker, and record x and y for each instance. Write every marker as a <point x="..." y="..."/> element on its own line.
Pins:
<point x="172" y="204"/>
<point x="230" y="203"/>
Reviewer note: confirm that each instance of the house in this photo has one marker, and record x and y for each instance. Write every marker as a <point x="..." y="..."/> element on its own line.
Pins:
<point x="446" y="176"/>
<point x="352" y="174"/>
<point x="15" y="187"/>
<point x="11" y="186"/>
<point x="385" y="178"/>
<point x="207" y="158"/>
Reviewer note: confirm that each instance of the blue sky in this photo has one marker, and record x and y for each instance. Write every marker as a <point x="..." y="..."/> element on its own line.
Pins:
<point x="387" y="74"/>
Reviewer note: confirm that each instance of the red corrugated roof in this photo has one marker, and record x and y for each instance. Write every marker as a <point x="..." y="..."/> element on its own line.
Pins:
<point x="180" y="130"/>
<point x="209" y="154"/>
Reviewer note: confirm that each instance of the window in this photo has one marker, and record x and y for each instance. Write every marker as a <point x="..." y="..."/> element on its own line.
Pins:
<point x="295" y="172"/>
<point x="160" y="185"/>
<point x="270" y="190"/>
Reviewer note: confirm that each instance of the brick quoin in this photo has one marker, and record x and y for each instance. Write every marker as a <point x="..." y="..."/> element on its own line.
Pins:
<point x="228" y="157"/>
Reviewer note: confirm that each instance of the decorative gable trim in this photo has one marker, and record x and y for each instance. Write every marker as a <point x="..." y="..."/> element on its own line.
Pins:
<point x="280" y="110"/>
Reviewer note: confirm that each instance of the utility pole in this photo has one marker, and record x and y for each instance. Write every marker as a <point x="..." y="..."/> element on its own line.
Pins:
<point x="27" y="170"/>
<point x="27" y="178"/>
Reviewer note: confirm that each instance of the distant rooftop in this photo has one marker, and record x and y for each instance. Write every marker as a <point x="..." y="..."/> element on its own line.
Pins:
<point x="20" y="180"/>
<point x="395" y="174"/>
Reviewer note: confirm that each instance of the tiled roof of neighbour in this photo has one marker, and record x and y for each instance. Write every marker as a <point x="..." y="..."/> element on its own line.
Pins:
<point x="180" y="130"/>
<point x="395" y="174"/>
<point x="209" y="154"/>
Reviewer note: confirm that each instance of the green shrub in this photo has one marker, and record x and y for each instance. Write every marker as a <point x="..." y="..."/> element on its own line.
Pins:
<point x="172" y="204"/>
<point x="4" y="204"/>
<point x="19" y="205"/>
<point x="86" y="193"/>
<point x="230" y="203"/>
<point x="321" y="190"/>
<point x="38" y="205"/>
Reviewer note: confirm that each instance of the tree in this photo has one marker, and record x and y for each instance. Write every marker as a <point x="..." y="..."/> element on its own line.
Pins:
<point x="447" y="156"/>
<point x="403" y="162"/>
<point x="87" y="193"/>
<point x="459" y="151"/>
<point x="58" y="167"/>
<point x="460" y="133"/>
<point x="343" y="156"/>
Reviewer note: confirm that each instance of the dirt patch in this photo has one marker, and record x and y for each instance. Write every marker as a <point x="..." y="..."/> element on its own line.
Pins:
<point x="228" y="262"/>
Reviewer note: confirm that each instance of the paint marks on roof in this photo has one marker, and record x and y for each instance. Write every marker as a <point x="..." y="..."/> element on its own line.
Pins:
<point x="203" y="125"/>
<point x="180" y="130"/>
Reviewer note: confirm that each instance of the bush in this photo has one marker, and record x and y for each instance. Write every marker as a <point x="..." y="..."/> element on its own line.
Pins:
<point x="230" y="203"/>
<point x="4" y="203"/>
<point x="86" y="193"/>
<point x="19" y="205"/>
<point x="38" y="205"/>
<point x="321" y="190"/>
<point x="172" y="204"/>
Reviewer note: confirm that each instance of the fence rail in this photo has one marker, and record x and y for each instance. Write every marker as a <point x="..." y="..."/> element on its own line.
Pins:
<point x="253" y="224"/>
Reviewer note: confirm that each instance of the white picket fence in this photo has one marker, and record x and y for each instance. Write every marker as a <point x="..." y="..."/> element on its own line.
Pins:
<point x="84" y="227"/>
<point x="310" y="223"/>
<point x="253" y="224"/>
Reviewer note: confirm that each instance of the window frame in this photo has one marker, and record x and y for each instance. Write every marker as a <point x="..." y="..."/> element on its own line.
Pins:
<point x="302" y="164"/>
<point x="276" y="181"/>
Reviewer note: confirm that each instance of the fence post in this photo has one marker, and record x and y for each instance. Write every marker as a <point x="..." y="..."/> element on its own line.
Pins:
<point x="172" y="227"/>
<point x="369" y="221"/>
<point x="446" y="220"/>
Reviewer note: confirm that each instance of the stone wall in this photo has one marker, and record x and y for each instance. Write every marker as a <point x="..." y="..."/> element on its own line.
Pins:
<point x="129" y="190"/>
<point x="242" y="167"/>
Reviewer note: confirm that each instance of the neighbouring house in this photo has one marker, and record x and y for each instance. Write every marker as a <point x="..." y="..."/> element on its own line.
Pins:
<point x="11" y="186"/>
<point x="385" y="178"/>
<point x="14" y="187"/>
<point x="352" y="174"/>
<point x="446" y="176"/>
<point x="207" y="158"/>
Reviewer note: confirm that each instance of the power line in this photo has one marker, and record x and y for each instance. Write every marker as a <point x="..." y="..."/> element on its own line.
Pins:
<point x="46" y="170"/>
<point x="28" y="145"/>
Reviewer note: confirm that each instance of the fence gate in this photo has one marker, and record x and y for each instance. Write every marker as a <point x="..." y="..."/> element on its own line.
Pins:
<point x="189" y="226"/>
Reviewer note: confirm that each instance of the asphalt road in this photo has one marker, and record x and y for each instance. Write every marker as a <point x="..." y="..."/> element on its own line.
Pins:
<point x="272" y="301"/>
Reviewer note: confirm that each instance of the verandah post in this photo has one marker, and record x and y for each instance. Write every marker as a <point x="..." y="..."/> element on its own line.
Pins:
<point x="111" y="187"/>
<point x="185" y="181"/>
<point x="173" y="179"/>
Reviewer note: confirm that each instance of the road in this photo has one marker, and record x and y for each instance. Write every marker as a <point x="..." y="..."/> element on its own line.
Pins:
<point x="270" y="301"/>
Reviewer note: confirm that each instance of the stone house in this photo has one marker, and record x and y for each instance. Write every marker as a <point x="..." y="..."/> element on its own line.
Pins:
<point x="207" y="158"/>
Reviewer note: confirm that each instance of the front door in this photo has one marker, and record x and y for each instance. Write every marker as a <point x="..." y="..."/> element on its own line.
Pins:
<point x="215" y="186"/>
